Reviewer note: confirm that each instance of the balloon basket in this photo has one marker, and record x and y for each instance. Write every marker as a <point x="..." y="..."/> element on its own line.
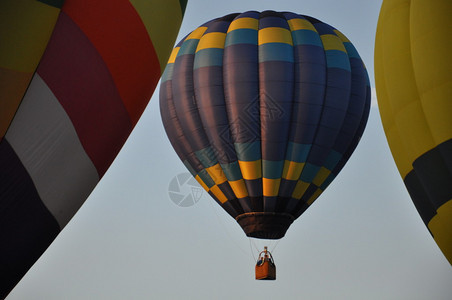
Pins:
<point x="265" y="267"/>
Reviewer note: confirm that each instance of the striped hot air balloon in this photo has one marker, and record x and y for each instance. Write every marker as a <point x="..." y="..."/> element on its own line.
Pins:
<point x="75" y="77"/>
<point x="414" y="87"/>
<point x="264" y="109"/>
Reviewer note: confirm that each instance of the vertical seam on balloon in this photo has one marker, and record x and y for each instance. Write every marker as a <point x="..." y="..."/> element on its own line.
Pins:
<point x="348" y="104"/>
<point x="259" y="110"/>
<point x="291" y="112"/>
<point x="177" y="120"/>
<point x="212" y="189"/>
<point x="229" y="126"/>
<point x="358" y="133"/>
<point x="343" y="122"/>
<point x="215" y="153"/>
<point x="321" y="113"/>
<point x="229" y="117"/>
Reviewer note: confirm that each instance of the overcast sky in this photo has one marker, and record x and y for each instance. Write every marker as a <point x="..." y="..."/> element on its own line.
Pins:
<point x="362" y="239"/>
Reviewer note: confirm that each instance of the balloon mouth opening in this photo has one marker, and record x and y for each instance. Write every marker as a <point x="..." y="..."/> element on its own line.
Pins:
<point x="265" y="225"/>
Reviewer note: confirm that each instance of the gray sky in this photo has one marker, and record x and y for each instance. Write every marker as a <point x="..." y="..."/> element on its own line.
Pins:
<point x="362" y="239"/>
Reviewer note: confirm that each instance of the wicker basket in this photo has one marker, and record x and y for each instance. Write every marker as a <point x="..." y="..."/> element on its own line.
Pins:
<point x="265" y="267"/>
<point x="266" y="271"/>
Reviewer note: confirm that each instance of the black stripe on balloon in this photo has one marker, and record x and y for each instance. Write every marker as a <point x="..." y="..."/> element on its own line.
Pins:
<point x="419" y="197"/>
<point x="183" y="5"/>
<point x="54" y="3"/>
<point x="229" y="18"/>
<point x="430" y="181"/>
<point x="229" y="193"/>
<point x="26" y="226"/>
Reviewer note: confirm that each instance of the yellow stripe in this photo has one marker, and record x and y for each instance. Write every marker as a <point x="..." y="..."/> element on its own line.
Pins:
<point x="25" y="32"/>
<point x="441" y="227"/>
<point x="332" y="42"/>
<point x="219" y="194"/>
<point x="292" y="170"/>
<point x="251" y="169"/>
<point x="217" y="174"/>
<point x="298" y="24"/>
<point x="196" y="34"/>
<point x="300" y="189"/>
<point x="244" y="23"/>
<point x="162" y="23"/>
<point x="274" y="35"/>
<point x="204" y="186"/>
<point x="173" y="55"/>
<point x="239" y="188"/>
<point x="314" y="196"/>
<point x="321" y="176"/>
<point x="270" y="187"/>
<point x="212" y="40"/>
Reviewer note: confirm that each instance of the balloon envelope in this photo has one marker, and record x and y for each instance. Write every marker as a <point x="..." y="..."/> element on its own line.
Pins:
<point x="414" y="87"/>
<point x="75" y="78"/>
<point x="264" y="109"/>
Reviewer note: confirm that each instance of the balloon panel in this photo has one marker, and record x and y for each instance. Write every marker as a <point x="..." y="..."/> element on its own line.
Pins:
<point x="264" y="109"/>
<point x="25" y="29"/>
<point x="414" y="88"/>
<point x="94" y="79"/>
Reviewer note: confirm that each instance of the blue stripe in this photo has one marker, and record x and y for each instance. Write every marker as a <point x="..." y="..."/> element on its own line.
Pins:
<point x="205" y="177"/>
<point x="337" y="59"/>
<point x="248" y="151"/>
<point x="297" y="152"/>
<point x="331" y="161"/>
<point x="351" y="50"/>
<point x="306" y="37"/>
<point x="241" y="36"/>
<point x="232" y="171"/>
<point x="190" y="168"/>
<point x="309" y="172"/>
<point x="208" y="57"/>
<point x="168" y="73"/>
<point x="188" y="47"/>
<point x="206" y="156"/>
<point x="327" y="181"/>
<point x="272" y="169"/>
<point x="275" y="52"/>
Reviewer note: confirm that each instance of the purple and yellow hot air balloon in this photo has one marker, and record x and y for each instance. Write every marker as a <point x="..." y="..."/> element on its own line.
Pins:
<point x="264" y="109"/>
<point x="75" y="77"/>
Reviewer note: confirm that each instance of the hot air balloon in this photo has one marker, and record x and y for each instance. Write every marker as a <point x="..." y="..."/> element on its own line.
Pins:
<point x="264" y="109"/>
<point x="74" y="80"/>
<point x="414" y="88"/>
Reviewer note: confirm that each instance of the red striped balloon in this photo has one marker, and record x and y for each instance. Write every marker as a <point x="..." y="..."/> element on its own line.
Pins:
<point x="75" y="79"/>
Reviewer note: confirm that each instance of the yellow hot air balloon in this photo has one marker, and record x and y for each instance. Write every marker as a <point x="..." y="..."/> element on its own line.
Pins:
<point x="414" y="87"/>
